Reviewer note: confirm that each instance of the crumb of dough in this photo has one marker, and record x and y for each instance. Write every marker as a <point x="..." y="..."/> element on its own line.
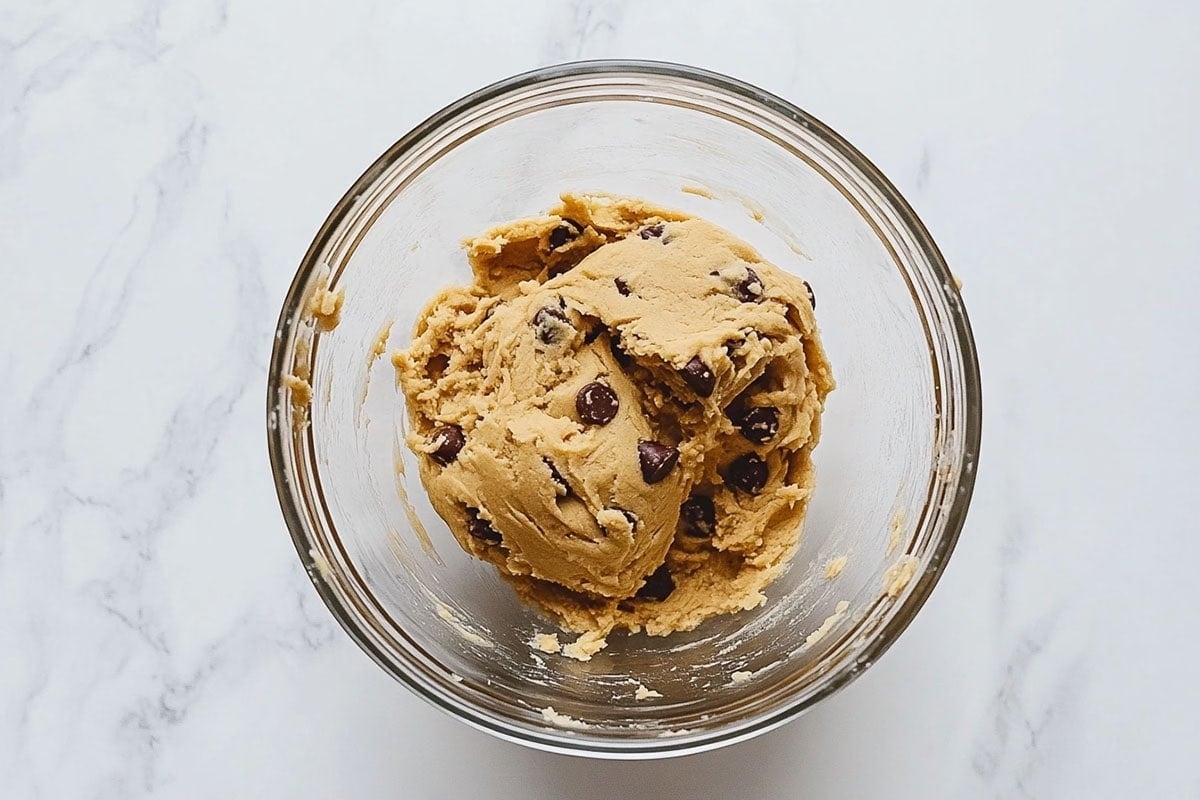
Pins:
<point x="945" y="465"/>
<point x="643" y="693"/>
<point x="698" y="191"/>
<point x="586" y="646"/>
<point x="741" y="676"/>
<point x="454" y="676"/>
<point x="561" y="720"/>
<point x="897" y="533"/>
<point x="298" y="383"/>
<point x="300" y="388"/>
<point x="321" y="564"/>
<point x="958" y="284"/>
<point x="379" y="345"/>
<point x="834" y="567"/>
<point x="301" y="397"/>
<point x="325" y="305"/>
<point x="300" y="364"/>
<point x="899" y="574"/>
<point x="839" y="611"/>
<point x="546" y="642"/>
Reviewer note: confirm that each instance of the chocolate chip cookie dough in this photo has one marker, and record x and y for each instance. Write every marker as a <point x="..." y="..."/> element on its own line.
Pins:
<point x="619" y="413"/>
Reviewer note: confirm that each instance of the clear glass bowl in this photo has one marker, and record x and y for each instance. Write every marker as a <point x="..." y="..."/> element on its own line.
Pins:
<point x="896" y="459"/>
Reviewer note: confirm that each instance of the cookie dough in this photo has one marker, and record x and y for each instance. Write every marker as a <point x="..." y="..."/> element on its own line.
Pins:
<point x="834" y="567"/>
<point x="619" y="413"/>
<point x="546" y="642"/>
<point x="642" y="693"/>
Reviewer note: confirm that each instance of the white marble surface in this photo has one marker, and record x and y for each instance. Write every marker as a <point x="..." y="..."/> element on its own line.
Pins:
<point x="165" y="163"/>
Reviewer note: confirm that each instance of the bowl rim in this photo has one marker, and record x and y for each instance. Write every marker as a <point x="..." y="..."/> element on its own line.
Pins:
<point x="933" y="564"/>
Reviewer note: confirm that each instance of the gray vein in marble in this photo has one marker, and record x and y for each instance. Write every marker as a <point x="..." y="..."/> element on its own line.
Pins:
<point x="923" y="168"/>
<point x="144" y="499"/>
<point x="141" y="37"/>
<point x="1011" y="550"/>
<point x="156" y="210"/>
<point x="1031" y="712"/>
<point x="18" y="91"/>
<point x="587" y="28"/>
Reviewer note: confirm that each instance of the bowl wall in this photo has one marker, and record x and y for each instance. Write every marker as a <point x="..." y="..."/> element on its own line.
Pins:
<point x="895" y="463"/>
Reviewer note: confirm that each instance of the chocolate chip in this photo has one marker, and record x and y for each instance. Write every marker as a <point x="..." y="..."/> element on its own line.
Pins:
<point x="748" y="473"/>
<point x="812" y="298"/>
<point x="697" y="375"/>
<point x="651" y="232"/>
<point x="659" y="585"/>
<point x="699" y="515"/>
<point x="480" y="528"/>
<point x="759" y="424"/>
<point x="622" y="358"/>
<point x="551" y="325"/>
<point x="436" y="366"/>
<point x="557" y="477"/>
<point x="550" y="313"/>
<point x="622" y="286"/>
<point x="446" y="442"/>
<point x="657" y="460"/>
<point x="596" y="404"/>
<point x="566" y="231"/>
<point x="750" y="288"/>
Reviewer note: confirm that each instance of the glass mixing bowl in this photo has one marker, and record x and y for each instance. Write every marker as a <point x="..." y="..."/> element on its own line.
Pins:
<point x="895" y="466"/>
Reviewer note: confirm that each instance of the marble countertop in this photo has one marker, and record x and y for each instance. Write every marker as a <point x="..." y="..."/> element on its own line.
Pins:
<point x="164" y="165"/>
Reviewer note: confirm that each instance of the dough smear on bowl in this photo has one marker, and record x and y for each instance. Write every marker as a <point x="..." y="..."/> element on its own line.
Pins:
<point x="619" y="413"/>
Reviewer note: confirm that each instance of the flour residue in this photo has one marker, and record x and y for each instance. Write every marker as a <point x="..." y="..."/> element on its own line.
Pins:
<point x="321" y="565"/>
<point x="327" y="388"/>
<point x="833" y="619"/>
<point x="448" y="616"/>
<point x="561" y="720"/>
<point x="795" y="248"/>
<point x="753" y="208"/>
<point x="414" y="520"/>
<point x="897" y="533"/>
<point x="378" y="348"/>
